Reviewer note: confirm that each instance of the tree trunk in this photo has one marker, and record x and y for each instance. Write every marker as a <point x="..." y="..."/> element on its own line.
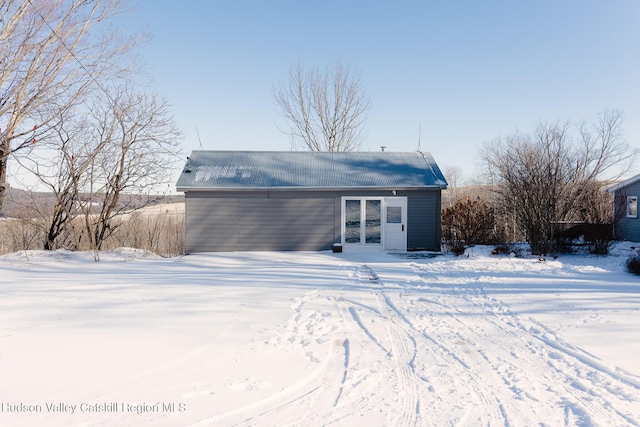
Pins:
<point x="3" y="173"/>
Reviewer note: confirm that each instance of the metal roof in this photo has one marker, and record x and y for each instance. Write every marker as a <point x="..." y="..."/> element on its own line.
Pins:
<point x="208" y="170"/>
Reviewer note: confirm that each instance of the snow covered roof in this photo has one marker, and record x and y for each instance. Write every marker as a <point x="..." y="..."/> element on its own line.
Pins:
<point x="207" y="170"/>
<point x="624" y="184"/>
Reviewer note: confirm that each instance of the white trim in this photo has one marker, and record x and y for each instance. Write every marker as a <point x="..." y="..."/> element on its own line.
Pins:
<point x="343" y="227"/>
<point x="362" y="245"/>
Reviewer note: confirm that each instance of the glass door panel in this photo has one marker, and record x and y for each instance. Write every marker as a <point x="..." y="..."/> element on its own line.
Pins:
<point x="372" y="221"/>
<point x="362" y="221"/>
<point x="352" y="221"/>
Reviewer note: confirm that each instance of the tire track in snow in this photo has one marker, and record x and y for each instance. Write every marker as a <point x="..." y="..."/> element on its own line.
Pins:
<point x="351" y="307"/>
<point x="442" y="356"/>
<point x="536" y="357"/>
<point x="562" y="362"/>
<point x="599" y="383"/>
<point x="490" y="409"/>
<point x="395" y="346"/>
<point x="322" y="405"/>
<point x="279" y="409"/>
<point x="411" y="351"/>
<point x="319" y="392"/>
<point x="403" y="353"/>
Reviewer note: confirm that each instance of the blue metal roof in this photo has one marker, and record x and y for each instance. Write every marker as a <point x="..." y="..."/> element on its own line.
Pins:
<point x="210" y="170"/>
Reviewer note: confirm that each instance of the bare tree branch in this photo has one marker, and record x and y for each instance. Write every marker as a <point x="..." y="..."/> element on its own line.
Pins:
<point x="53" y="55"/>
<point x="111" y="157"/>
<point x="549" y="176"/>
<point x="326" y="110"/>
<point x="137" y="145"/>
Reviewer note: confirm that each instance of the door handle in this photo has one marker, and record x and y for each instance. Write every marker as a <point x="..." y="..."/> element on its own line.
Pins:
<point x="402" y="227"/>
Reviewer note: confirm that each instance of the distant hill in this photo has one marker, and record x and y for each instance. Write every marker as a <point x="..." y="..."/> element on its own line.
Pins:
<point x="20" y="203"/>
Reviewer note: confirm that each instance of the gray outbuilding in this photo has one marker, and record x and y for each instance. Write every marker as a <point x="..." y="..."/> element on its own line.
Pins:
<point x="625" y="196"/>
<point x="311" y="201"/>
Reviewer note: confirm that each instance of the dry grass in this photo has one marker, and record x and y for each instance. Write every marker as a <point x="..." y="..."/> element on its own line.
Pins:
<point x="159" y="229"/>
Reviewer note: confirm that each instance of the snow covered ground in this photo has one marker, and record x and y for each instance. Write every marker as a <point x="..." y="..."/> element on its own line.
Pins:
<point x="274" y="339"/>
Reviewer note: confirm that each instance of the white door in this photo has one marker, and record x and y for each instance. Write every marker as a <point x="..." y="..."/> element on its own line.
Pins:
<point x="395" y="223"/>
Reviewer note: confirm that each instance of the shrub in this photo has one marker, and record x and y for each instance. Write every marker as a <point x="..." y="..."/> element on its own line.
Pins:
<point x="458" y="247"/>
<point x="471" y="221"/>
<point x="509" y="249"/>
<point x="502" y="249"/>
<point x="633" y="264"/>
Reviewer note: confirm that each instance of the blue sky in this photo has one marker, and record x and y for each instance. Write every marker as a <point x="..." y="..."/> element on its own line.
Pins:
<point x="464" y="72"/>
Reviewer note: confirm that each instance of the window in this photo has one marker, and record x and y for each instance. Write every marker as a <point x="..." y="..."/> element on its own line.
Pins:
<point x="394" y="215"/>
<point x="632" y="206"/>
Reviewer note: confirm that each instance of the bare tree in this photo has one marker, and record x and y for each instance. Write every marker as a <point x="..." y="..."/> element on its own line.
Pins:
<point x="60" y="164"/>
<point x="135" y="145"/>
<point x="110" y="157"/>
<point x="326" y="110"/>
<point x="549" y="176"/>
<point x="455" y="179"/>
<point x="52" y="54"/>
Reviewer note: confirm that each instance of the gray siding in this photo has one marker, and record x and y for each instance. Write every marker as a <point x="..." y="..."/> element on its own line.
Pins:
<point x="259" y="222"/>
<point x="628" y="228"/>
<point x="423" y="220"/>
<point x="293" y="220"/>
